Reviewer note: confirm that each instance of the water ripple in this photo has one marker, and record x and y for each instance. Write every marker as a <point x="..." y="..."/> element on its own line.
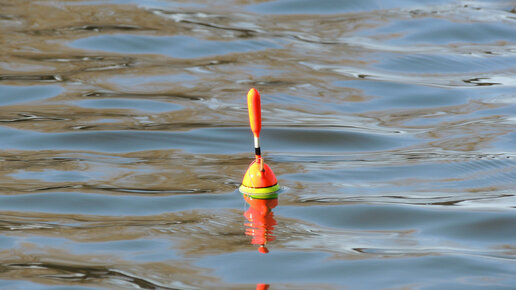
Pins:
<point x="173" y="46"/>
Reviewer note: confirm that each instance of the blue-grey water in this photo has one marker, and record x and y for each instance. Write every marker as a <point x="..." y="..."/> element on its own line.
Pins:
<point x="390" y="125"/>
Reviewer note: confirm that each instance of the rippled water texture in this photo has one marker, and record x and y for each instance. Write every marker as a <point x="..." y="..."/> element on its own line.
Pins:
<point x="390" y="125"/>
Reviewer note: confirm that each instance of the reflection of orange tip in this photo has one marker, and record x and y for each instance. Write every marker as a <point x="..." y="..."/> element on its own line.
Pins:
<point x="263" y="250"/>
<point x="262" y="286"/>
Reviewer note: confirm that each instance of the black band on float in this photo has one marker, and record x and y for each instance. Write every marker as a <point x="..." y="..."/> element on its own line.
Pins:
<point x="257" y="151"/>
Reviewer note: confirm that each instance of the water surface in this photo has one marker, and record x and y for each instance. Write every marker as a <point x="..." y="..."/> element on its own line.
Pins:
<point x="390" y="127"/>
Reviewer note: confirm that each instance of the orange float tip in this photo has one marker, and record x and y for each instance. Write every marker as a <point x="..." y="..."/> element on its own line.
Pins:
<point x="259" y="184"/>
<point x="255" y="111"/>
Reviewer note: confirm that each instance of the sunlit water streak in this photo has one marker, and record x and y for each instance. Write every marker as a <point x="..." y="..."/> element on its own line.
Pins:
<point x="390" y="127"/>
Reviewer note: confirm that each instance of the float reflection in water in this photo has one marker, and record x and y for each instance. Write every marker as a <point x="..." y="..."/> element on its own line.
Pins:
<point x="261" y="221"/>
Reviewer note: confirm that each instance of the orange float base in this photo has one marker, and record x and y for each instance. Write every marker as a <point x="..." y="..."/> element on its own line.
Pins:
<point x="259" y="184"/>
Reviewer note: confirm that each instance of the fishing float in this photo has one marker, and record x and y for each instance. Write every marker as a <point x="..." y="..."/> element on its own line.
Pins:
<point x="259" y="181"/>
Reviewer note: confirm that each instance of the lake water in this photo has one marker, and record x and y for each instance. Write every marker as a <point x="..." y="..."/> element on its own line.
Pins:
<point x="124" y="136"/>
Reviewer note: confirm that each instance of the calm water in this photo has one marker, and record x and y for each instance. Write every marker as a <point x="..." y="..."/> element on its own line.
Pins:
<point x="124" y="136"/>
